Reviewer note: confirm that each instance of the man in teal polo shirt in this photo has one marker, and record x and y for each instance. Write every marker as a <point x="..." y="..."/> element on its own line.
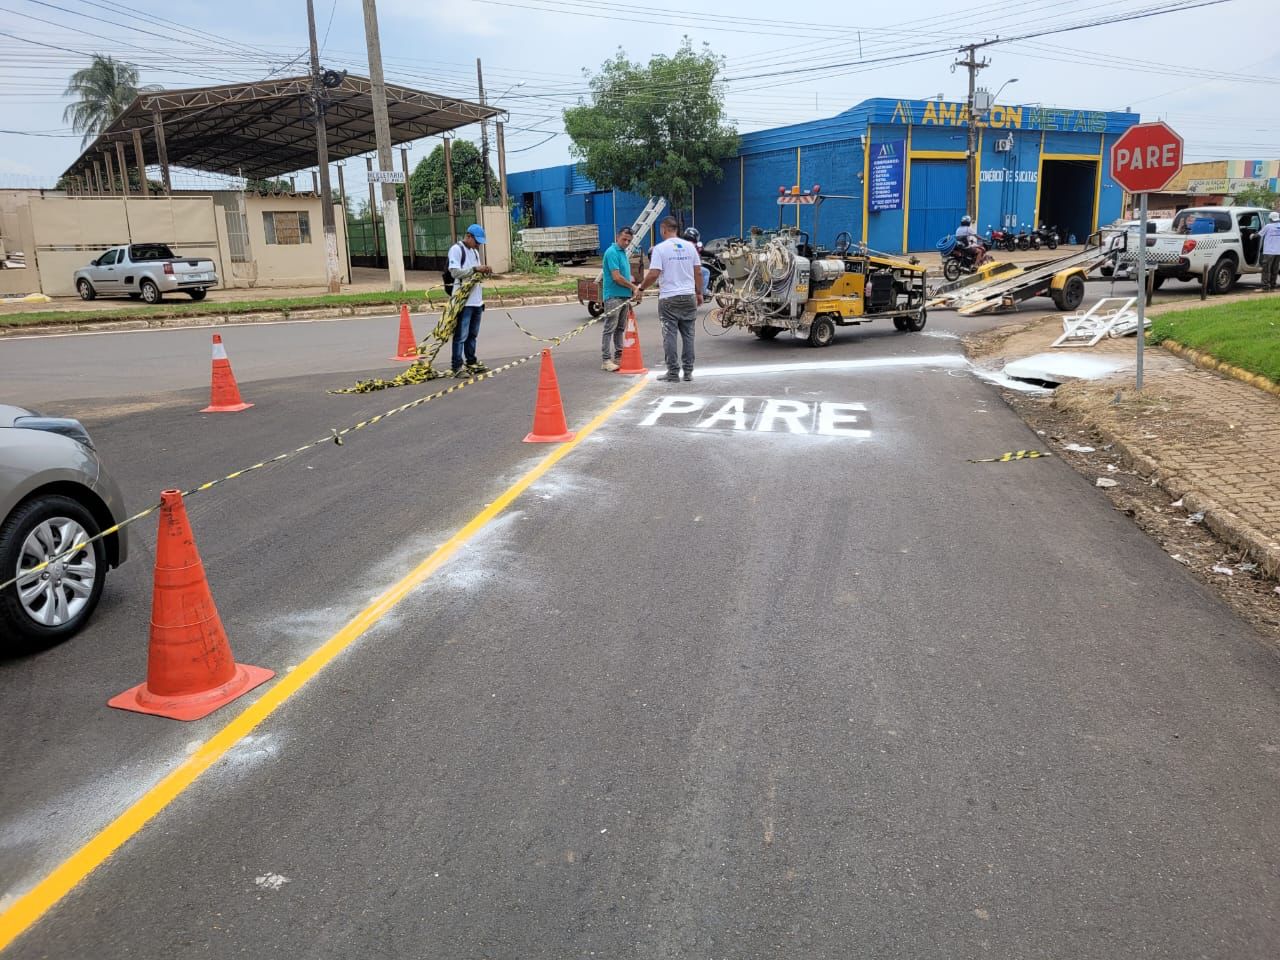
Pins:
<point x="617" y="291"/>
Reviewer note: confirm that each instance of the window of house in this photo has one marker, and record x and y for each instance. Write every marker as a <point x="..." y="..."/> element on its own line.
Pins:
<point x="287" y="227"/>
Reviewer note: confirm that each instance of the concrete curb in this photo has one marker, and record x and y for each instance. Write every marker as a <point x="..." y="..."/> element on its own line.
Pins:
<point x="1227" y="524"/>
<point x="98" y="325"/>
<point x="1210" y="363"/>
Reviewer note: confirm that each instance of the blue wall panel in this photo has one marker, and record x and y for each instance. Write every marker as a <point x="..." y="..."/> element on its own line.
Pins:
<point x="937" y="201"/>
<point x="763" y="174"/>
<point x="1007" y="181"/>
<point x="836" y="168"/>
<point x="715" y="207"/>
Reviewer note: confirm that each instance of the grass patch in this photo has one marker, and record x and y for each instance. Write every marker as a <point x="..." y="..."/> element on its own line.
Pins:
<point x="282" y="305"/>
<point x="1245" y="334"/>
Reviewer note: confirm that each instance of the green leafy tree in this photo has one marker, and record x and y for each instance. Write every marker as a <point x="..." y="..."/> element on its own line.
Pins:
<point x="654" y="129"/>
<point x="103" y="91"/>
<point x="1257" y="196"/>
<point x="268" y="186"/>
<point x="427" y="182"/>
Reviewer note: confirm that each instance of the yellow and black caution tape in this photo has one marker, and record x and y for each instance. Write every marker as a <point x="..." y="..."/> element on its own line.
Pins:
<point x="561" y="339"/>
<point x="334" y="436"/>
<point x="1014" y="455"/>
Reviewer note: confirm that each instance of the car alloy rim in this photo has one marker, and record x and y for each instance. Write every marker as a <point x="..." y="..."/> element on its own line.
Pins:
<point x="57" y="594"/>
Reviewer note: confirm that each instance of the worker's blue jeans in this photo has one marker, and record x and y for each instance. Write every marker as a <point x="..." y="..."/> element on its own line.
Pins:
<point x="464" y="335"/>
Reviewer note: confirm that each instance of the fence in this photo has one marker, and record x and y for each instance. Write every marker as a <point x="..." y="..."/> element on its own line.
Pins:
<point x="431" y="237"/>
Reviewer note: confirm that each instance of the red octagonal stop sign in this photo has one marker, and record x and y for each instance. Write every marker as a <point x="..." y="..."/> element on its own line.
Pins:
<point x="1146" y="157"/>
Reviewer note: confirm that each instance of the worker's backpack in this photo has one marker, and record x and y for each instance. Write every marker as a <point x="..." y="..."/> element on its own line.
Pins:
<point x="448" y="276"/>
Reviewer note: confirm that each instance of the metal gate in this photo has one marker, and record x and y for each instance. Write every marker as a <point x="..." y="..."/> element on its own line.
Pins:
<point x="937" y="201"/>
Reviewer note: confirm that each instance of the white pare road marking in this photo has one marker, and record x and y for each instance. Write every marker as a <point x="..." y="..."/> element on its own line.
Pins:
<point x="761" y="415"/>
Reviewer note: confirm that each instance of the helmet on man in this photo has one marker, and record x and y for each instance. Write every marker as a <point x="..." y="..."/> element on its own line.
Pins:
<point x="692" y="235"/>
<point x="965" y="220"/>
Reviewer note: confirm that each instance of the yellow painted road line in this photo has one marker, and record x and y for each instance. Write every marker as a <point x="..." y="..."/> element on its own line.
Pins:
<point x="33" y="905"/>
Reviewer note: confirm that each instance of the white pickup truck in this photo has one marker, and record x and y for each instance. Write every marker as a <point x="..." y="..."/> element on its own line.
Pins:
<point x="1222" y="240"/>
<point x="147" y="271"/>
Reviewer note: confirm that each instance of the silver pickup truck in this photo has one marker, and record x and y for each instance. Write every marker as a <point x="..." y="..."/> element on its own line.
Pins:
<point x="147" y="271"/>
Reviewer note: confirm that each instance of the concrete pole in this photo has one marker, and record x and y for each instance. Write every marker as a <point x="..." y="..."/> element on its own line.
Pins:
<point x="332" y="269"/>
<point x="502" y="166"/>
<point x="382" y="131"/>
<point x="144" y="188"/>
<point x="484" y="138"/>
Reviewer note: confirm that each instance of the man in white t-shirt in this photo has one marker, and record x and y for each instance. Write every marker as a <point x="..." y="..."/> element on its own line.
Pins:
<point x="464" y="260"/>
<point x="673" y="264"/>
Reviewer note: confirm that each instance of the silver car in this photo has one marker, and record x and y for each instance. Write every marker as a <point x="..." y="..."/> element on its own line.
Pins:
<point x="54" y="492"/>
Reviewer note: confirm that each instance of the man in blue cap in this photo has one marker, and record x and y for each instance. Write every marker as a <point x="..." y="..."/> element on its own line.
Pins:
<point x="464" y="260"/>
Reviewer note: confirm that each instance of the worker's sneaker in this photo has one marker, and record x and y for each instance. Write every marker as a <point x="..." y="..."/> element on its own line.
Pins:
<point x="609" y="366"/>
<point x="477" y="367"/>
<point x="461" y="373"/>
<point x="670" y="378"/>
<point x="688" y="376"/>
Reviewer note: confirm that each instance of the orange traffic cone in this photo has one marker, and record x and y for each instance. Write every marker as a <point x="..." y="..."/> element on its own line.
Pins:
<point x="632" y="361"/>
<point x="225" y="394"/>
<point x="190" y="672"/>
<point x="548" y="412"/>
<point x="407" y="351"/>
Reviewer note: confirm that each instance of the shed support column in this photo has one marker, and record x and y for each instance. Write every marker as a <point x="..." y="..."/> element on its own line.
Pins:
<point x="140" y="160"/>
<point x="124" y="167"/>
<point x="111" y="171"/>
<point x="373" y="210"/>
<point x="97" y="177"/>
<point x="448" y="190"/>
<point x="408" y="205"/>
<point x="162" y="152"/>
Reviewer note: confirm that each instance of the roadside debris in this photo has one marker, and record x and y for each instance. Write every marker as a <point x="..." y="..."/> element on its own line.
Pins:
<point x="1078" y="448"/>
<point x="1225" y="571"/>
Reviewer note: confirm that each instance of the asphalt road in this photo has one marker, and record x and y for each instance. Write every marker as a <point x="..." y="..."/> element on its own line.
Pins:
<point x="785" y="676"/>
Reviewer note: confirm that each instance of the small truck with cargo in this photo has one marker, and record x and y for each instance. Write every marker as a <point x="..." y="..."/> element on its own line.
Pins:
<point x="145" y="271"/>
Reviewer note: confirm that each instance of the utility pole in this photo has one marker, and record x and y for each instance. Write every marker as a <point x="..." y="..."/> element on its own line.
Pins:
<point x="382" y="131"/>
<point x="484" y="138"/>
<point x="973" y="65"/>
<point x="331" y="269"/>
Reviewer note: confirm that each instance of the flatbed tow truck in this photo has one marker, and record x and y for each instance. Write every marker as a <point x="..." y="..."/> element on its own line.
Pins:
<point x="1001" y="285"/>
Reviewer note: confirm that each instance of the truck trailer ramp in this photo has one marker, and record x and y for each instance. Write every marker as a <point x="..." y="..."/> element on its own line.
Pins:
<point x="1005" y="290"/>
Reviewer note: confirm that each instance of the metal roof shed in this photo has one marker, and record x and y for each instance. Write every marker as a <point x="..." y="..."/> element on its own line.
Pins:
<point x="259" y="130"/>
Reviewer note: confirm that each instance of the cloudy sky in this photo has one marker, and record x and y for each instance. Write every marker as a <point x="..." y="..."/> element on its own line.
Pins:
<point x="1212" y="72"/>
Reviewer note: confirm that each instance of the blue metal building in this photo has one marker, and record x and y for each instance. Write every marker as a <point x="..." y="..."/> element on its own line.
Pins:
<point x="902" y="162"/>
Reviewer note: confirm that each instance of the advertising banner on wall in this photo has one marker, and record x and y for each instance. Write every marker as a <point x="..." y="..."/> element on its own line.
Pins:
<point x="888" y="165"/>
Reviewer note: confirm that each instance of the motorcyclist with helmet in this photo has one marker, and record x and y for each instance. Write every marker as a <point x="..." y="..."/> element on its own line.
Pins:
<point x="968" y="244"/>
<point x="692" y="235"/>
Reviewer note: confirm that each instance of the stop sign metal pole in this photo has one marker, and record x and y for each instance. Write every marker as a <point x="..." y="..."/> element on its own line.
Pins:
<point x="1142" y="281"/>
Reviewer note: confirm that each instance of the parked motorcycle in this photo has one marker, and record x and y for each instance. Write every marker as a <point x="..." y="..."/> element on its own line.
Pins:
<point x="1047" y="236"/>
<point x="1023" y="239"/>
<point x="1002" y="237"/>
<point x="960" y="258"/>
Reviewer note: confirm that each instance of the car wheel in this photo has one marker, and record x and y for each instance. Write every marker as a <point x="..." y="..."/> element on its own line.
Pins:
<point x="50" y="605"/>
<point x="85" y="289"/>
<point x="1223" y="277"/>
<point x="196" y="294"/>
<point x="150" y="292"/>
<point x="822" y="332"/>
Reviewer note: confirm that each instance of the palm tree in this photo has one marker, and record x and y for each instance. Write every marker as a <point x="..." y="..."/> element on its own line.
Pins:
<point x="106" y="88"/>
